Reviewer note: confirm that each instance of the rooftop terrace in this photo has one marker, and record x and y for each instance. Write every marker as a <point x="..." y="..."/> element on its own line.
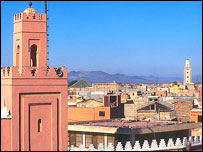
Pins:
<point x="130" y="124"/>
<point x="118" y="126"/>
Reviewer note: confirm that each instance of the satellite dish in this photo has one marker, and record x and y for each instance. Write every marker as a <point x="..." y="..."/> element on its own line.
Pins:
<point x="59" y="72"/>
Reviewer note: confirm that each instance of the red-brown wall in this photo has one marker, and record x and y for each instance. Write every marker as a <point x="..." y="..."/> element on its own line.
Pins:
<point x="5" y="134"/>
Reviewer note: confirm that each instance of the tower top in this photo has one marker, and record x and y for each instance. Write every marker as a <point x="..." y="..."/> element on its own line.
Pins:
<point x="187" y="63"/>
<point x="30" y="10"/>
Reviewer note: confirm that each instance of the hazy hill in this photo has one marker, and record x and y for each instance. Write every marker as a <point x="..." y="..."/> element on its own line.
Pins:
<point x="103" y="77"/>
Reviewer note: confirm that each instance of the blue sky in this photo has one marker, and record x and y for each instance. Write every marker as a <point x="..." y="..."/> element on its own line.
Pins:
<point x="133" y="38"/>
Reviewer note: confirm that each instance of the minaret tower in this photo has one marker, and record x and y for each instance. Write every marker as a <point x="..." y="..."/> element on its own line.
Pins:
<point x="187" y="73"/>
<point x="34" y="96"/>
<point x="30" y="39"/>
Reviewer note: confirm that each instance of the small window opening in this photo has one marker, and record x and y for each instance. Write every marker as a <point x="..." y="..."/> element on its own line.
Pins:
<point x="39" y="125"/>
<point x="102" y="113"/>
<point x="17" y="55"/>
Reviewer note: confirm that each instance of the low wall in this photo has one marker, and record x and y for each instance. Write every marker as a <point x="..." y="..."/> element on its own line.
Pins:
<point x="178" y="145"/>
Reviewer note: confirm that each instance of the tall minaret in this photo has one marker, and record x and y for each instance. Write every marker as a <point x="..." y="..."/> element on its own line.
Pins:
<point x="187" y="73"/>
<point x="30" y="39"/>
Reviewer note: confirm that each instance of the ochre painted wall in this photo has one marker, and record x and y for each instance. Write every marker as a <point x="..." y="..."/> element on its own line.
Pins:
<point x="194" y="115"/>
<point x="87" y="114"/>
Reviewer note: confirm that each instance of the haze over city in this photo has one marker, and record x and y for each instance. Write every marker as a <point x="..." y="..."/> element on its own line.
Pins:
<point x="133" y="38"/>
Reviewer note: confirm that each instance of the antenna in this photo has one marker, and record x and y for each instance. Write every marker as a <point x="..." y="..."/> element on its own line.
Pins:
<point x="46" y="10"/>
<point x="45" y="7"/>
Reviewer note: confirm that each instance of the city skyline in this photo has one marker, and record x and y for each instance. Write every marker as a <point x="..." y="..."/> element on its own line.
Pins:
<point x="133" y="38"/>
<point x="46" y="106"/>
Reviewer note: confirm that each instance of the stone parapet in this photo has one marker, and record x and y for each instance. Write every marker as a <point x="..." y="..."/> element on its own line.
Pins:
<point x="29" y="17"/>
<point x="29" y="72"/>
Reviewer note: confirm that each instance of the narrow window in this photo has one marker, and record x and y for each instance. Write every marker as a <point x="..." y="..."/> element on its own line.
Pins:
<point x="33" y="56"/>
<point x="39" y="125"/>
<point x="17" y="55"/>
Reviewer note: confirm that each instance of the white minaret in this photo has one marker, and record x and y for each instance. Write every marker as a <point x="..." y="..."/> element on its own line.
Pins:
<point x="187" y="73"/>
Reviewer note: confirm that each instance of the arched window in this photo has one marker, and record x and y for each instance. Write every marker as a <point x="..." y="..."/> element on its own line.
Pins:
<point x="17" y="55"/>
<point x="33" y="56"/>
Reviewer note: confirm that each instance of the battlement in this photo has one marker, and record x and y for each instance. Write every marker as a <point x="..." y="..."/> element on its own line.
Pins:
<point x="29" y="17"/>
<point x="29" y="72"/>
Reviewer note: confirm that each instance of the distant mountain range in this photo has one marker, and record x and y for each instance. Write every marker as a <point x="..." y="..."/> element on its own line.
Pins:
<point x="103" y="77"/>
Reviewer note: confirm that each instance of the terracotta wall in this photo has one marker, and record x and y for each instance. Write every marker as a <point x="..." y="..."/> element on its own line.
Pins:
<point x="182" y="110"/>
<point x="194" y="115"/>
<point x="5" y="135"/>
<point x="161" y="93"/>
<point x="87" y="114"/>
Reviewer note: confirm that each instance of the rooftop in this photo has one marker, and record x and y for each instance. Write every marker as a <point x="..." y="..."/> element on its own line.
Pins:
<point x="80" y="84"/>
<point x="119" y="126"/>
<point x="130" y="124"/>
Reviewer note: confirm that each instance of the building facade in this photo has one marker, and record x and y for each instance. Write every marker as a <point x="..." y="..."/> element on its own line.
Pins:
<point x="34" y="95"/>
<point x="117" y="130"/>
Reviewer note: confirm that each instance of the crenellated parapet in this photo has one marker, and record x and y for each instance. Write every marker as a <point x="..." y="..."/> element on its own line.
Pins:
<point x="29" y="72"/>
<point x="29" y="17"/>
<point x="8" y="72"/>
<point x="170" y="145"/>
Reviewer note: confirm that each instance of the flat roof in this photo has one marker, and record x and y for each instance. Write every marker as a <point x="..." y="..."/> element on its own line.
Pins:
<point x="129" y="127"/>
<point x="131" y="124"/>
<point x="196" y="109"/>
